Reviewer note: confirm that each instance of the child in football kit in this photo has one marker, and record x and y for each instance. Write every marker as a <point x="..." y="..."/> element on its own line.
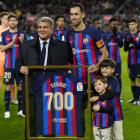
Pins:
<point x="103" y="111"/>
<point x="107" y="68"/>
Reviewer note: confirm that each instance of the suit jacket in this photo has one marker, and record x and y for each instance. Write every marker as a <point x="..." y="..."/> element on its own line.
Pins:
<point x="60" y="53"/>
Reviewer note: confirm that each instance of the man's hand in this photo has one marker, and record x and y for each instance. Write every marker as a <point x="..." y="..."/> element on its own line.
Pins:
<point x="115" y="31"/>
<point x="24" y="70"/>
<point x="131" y="40"/>
<point x="93" y="68"/>
<point x="96" y="108"/>
<point x="94" y="99"/>
<point x="21" y="38"/>
<point x="14" y="38"/>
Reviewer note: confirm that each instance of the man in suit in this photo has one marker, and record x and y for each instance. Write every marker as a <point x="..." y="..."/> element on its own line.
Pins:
<point x="44" y="50"/>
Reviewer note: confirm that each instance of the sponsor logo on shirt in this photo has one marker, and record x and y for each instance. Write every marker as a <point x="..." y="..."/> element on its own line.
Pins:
<point x="85" y="40"/>
<point x="60" y="120"/>
<point x="79" y="86"/>
<point x="60" y="84"/>
<point x="80" y="51"/>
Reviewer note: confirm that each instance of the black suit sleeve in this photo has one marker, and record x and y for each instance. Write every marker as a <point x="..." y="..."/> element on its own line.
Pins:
<point x="70" y="55"/>
<point x="19" y="62"/>
<point x="106" y="110"/>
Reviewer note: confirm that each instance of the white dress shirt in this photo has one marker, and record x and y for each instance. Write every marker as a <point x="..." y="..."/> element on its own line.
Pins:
<point x="47" y="45"/>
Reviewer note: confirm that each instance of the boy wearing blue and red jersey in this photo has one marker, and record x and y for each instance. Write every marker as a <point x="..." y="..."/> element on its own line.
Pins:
<point x="107" y="69"/>
<point x="103" y="111"/>
<point x="115" y="40"/>
<point x="60" y="31"/>
<point x="132" y="45"/>
<point x="96" y="22"/>
<point x="10" y="42"/>
<point x="58" y="104"/>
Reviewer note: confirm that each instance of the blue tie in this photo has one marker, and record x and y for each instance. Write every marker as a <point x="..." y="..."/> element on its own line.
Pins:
<point x="44" y="52"/>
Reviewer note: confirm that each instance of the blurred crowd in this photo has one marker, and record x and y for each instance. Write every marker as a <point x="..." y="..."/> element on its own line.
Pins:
<point x="51" y="8"/>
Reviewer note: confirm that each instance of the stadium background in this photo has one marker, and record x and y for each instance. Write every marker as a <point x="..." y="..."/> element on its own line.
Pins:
<point x="29" y="11"/>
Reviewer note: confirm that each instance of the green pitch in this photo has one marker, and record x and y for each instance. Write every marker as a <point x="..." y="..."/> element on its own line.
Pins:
<point x="13" y="128"/>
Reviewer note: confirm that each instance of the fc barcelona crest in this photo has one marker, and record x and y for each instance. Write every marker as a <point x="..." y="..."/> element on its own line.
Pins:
<point x="109" y="88"/>
<point x="85" y="40"/>
<point x="103" y="103"/>
<point x="137" y="38"/>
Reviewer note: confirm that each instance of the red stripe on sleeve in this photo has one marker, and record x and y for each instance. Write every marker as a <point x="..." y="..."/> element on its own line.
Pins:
<point x="118" y="108"/>
<point x="61" y="111"/>
<point x="49" y="112"/>
<point x="73" y="117"/>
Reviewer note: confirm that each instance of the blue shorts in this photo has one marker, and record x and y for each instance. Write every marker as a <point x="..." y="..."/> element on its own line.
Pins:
<point x="9" y="75"/>
<point x="117" y="71"/>
<point x="134" y="70"/>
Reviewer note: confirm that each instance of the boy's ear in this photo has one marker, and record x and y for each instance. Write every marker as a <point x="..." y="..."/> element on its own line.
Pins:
<point x="113" y="69"/>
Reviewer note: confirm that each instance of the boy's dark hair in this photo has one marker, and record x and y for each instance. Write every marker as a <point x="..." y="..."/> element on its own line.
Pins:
<point x="108" y="62"/>
<point x="95" y="19"/>
<point x="101" y="78"/>
<point x="59" y="16"/>
<point x="78" y="5"/>
<point x="112" y="19"/>
<point x="3" y="14"/>
<point x="132" y="20"/>
<point x="12" y="15"/>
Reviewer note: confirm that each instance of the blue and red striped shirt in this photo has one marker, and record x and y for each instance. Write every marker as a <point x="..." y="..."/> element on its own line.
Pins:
<point x="85" y="45"/>
<point x="61" y="34"/>
<point x="58" y="104"/>
<point x="101" y="119"/>
<point x="134" y="53"/>
<point x="12" y="53"/>
<point x="113" y="85"/>
<point x="113" y="46"/>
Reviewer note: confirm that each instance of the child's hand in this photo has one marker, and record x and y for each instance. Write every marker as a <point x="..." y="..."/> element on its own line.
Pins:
<point x="94" y="98"/>
<point x="96" y="108"/>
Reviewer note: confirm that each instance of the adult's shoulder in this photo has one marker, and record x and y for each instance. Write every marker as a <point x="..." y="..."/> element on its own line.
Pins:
<point x="22" y="32"/>
<point x="4" y="33"/>
<point x="127" y="34"/>
<point x="57" y="41"/>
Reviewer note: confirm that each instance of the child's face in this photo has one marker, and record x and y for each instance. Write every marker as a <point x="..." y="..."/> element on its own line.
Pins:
<point x="100" y="87"/>
<point x="107" y="71"/>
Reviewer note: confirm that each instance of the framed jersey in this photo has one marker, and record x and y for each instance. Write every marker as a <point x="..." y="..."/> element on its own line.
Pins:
<point x="58" y="97"/>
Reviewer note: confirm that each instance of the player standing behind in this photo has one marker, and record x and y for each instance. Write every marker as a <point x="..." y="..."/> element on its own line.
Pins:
<point x="4" y="26"/>
<point x="103" y="111"/>
<point x="115" y="40"/>
<point x="96" y="22"/>
<point x="60" y="31"/>
<point x="132" y="45"/>
<point x="10" y="42"/>
<point x="85" y="42"/>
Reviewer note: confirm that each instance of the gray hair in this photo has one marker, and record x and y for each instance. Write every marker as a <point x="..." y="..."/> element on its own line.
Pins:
<point x="46" y="19"/>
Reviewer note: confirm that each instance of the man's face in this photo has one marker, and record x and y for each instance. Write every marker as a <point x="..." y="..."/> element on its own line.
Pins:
<point x="132" y="26"/>
<point x="76" y="16"/>
<point x="100" y="87"/>
<point x="4" y="20"/>
<point x="60" y="22"/>
<point x="97" y="24"/>
<point x="44" y="30"/>
<point x="113" y="24"/>
<point x="107" y="71"/>
<point x="13" y="23"/>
